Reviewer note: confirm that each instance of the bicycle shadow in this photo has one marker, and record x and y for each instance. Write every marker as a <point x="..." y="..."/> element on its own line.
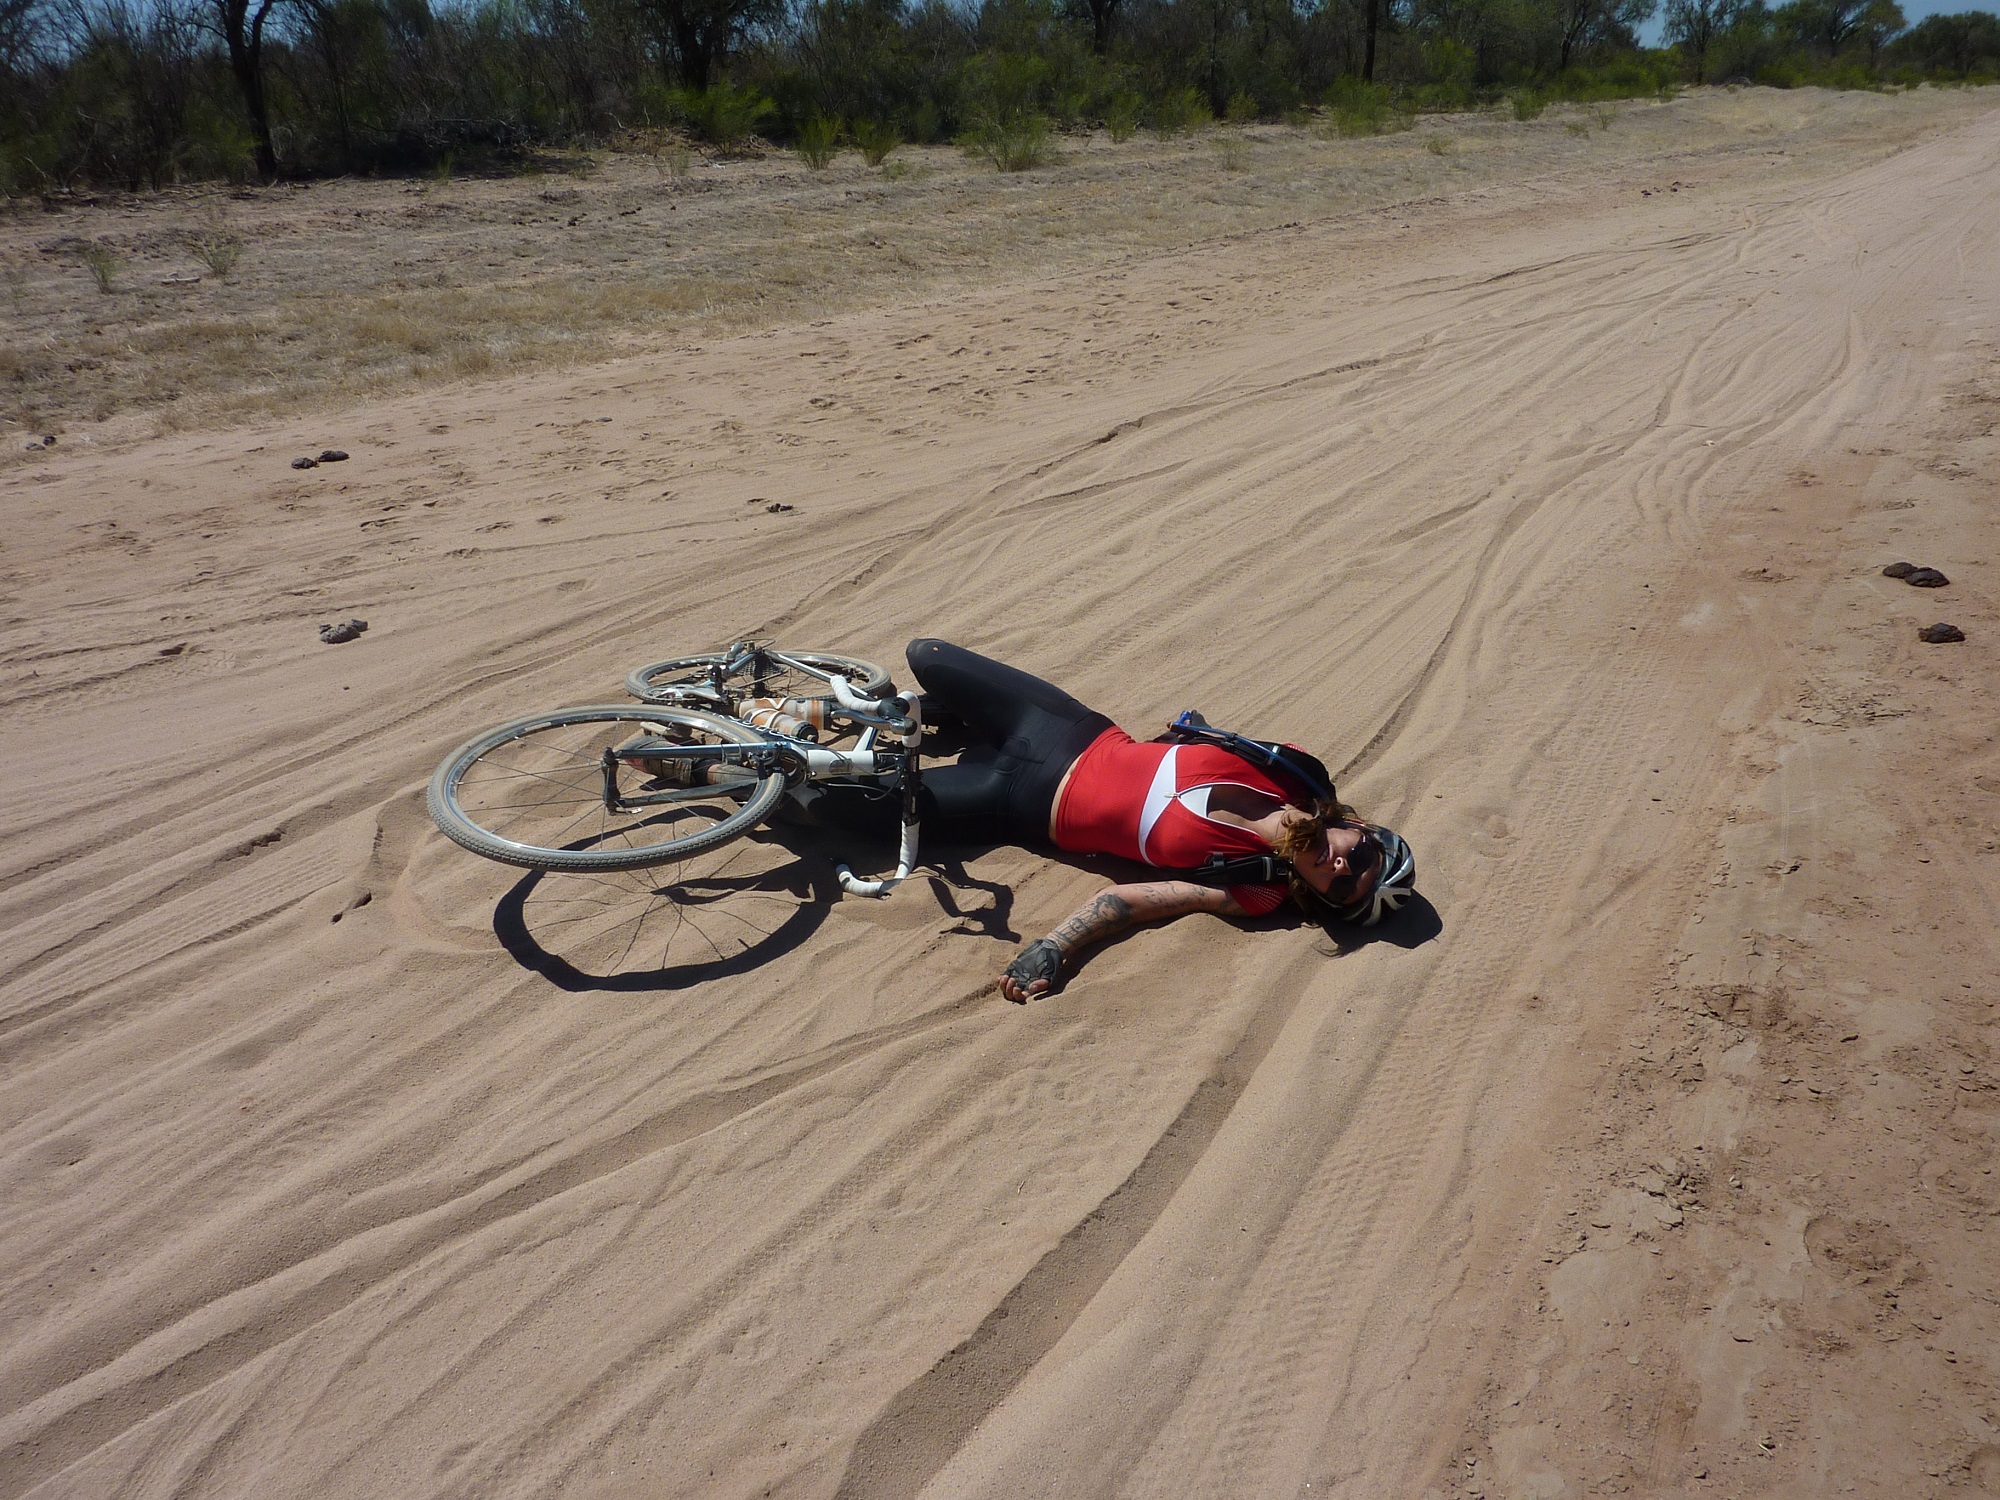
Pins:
<point x="667" y="929"/>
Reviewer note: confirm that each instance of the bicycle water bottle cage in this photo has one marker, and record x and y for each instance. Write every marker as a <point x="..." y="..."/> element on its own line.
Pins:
<point x="1286" y="762"/>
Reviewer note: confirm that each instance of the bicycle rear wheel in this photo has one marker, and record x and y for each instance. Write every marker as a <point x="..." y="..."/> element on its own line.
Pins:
<point x="692" y="679"/>
<point x="532" y="793"/>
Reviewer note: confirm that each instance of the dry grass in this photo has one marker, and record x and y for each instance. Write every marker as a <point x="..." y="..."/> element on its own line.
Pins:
<point x="349" y="289"/>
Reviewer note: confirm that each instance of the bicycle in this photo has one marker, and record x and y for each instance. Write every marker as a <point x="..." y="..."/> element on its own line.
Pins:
<point x="712" y="746"/>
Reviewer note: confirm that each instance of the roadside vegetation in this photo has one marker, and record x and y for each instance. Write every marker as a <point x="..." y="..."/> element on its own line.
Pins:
<point x="138" y="94"/>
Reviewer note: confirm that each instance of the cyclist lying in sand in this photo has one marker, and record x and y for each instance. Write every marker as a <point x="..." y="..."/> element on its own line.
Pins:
<point x="1050" y="771"/>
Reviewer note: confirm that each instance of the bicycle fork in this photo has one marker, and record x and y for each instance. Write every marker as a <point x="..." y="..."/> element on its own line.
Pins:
<point x="906" y="850"/>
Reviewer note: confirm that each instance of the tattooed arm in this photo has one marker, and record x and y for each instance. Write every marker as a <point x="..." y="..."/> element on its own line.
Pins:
<point x="1039" y="965"/>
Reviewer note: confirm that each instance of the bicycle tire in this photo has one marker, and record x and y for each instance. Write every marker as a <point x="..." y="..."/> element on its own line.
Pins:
<point x="554" y="830"/>
<point x="650" y="682"/>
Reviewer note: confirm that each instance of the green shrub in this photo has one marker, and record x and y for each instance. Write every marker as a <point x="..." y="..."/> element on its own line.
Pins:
<point x="1437" y="144"/>
<point x="1850" y="74"/>
<point x="723" y="113"/>
<point x="1528" y="105"/>
<point x="218" y="145"/>
<point x="1242" y="109"/>
<point x="876" y="141"/>
<point x="818" y="142"/>
<point x="1357" y="108"/>
<point x="1232" y="151"/>
<point x="1013" y="143"/>
<point x="1180" y="112"/>
<point x="1121" y="115"/>
<point x="926" y="122"/>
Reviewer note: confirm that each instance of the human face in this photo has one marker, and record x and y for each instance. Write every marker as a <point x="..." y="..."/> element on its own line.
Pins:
<point x="1345" y="862"/>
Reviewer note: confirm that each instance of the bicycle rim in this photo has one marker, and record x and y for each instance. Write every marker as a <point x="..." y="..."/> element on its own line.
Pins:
<point x="531" y="793"/>
<point x="665" y="681"/>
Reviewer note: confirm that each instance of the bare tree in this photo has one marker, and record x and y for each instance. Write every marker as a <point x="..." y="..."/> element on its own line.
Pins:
<point x="699" y="33"/>
<point x="21" y="26"/>
<point x="1832" y="23"/>
<point x="1880" y="21"/>
<point x="1694" y="26"/>
<point x="1101" y="13"/>
<point x="1584" y="23"/>
<point x="242" y="24"/>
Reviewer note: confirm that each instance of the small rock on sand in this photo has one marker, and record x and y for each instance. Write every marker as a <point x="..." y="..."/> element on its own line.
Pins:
<point x="1899" y="570"/>
<point x="1926" y="578"/>
<point x="305" y="463"/>
<point x="333" y="456"/>
<point x="777" y="507"/>
<point x="347" y="630"/>
<point x="1940" y="634"/>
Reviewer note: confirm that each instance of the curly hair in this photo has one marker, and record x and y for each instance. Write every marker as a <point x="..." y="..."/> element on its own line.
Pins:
<point x="1297" y="837"/>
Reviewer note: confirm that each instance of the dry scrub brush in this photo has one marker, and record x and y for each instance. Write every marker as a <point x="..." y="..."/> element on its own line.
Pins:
<point x="102" y="262"/>
<point x="215" y="245"/>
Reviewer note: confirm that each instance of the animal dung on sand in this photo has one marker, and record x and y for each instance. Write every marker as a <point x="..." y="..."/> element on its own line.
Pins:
<point x="346" y="630"/>
<point x="1916" y="577"/>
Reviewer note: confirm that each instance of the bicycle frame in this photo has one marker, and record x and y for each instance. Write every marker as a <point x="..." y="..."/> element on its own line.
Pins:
<point x="801" y="761"/>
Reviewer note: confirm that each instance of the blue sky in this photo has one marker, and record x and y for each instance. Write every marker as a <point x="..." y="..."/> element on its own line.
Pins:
<point x="1913" y="12"/>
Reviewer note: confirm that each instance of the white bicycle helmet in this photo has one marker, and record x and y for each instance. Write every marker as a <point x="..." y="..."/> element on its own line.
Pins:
<point x="1396" y="883"/>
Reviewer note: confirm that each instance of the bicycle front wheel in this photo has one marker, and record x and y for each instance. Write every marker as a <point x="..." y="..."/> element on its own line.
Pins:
<point x="534" y="793"/>
<point x="682" y="679"/>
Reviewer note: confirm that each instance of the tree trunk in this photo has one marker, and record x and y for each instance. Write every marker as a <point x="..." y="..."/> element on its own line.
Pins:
<point x="693" y="49"/>
<point x="1100" y="25"/>
<point x="246" y="61"/>
<point x="1368" y="51"/>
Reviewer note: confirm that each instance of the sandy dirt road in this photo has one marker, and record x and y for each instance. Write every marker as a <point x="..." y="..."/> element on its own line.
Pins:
<point x="1653" y="1158"/>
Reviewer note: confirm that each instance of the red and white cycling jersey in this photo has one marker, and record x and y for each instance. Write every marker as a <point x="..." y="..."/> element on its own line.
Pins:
<point x="1148" y="801"/>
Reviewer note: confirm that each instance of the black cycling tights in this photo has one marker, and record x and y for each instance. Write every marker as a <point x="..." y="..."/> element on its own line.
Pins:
<point x="1027" y="734"/>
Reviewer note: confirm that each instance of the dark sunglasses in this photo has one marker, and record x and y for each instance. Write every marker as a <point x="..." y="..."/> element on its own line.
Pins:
<point x="1363" y="858"/>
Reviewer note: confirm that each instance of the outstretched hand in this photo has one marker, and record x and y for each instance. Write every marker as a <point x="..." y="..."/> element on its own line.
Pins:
<point x="1033" y="972"/>
<point x="1037" y="967"/>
